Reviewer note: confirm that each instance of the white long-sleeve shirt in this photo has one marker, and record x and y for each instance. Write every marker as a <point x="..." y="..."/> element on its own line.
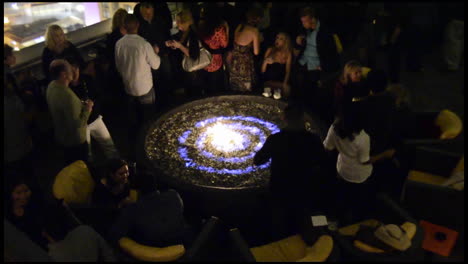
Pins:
<point x="134" y="58"/>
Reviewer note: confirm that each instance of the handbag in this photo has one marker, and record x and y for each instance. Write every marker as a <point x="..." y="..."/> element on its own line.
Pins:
<point x="190" y="65"/>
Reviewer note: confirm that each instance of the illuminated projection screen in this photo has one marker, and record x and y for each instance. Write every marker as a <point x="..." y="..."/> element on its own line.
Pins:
<point x="212" y="142"/>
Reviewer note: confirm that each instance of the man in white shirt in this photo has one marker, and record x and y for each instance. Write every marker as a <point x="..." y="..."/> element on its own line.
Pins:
<point x="134" y="59"/>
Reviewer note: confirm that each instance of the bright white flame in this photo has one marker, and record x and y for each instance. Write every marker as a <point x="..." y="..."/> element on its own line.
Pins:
<point x="224" y="138"/>
<point x="6" y="20"/>
<point x="80" y="8"/>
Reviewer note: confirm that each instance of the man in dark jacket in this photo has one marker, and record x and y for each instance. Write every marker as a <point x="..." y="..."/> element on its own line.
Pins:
<point x="156" y="219"/>
<point x="297" y="162"/>
<point x="317" y="54"/>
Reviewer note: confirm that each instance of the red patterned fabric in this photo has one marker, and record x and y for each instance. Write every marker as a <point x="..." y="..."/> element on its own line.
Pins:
<point x="218" y="40"/>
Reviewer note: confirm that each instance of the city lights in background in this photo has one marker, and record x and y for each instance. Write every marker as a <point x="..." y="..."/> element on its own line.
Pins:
<point x="6" y="20"/>
<point x="39" y="39"/>
<point x="14" y="6"/>
<point x="80" y="8"/>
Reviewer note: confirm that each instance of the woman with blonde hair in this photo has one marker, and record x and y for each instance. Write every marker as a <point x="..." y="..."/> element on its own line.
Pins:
<point x="189" y="45"/>
<point x="276" y="67"/>
<point x="118" y="31"/>
<point x="348" y="84"/>
<point x="58" y="47"/>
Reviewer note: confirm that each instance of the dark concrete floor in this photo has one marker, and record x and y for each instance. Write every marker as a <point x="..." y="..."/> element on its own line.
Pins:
<point x="431" y="90"/>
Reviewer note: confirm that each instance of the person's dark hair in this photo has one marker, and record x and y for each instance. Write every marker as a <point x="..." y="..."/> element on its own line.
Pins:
<point x="350" y="121"/>
<point x="111" y="167"/>
<point x="13" y="179"/>
<point x="210" y="21"/>
<point x="131" y="22"/>
<point x="56" y="69"/>
<point x="146" y="5"/>
<point x="7" y="51"/>
<point x="56" y="222"/>
<point x="146" y="183"/>
<point x="377" y="81"/>
<point x="193" y="38"/>
<point x="252" y="14"/>
<point x="308" y="11"/>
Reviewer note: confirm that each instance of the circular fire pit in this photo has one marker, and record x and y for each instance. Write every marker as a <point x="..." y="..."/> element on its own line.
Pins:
<point x="210" y="143"/>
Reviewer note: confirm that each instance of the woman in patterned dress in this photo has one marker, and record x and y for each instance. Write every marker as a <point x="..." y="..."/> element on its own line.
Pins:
<point x="246" y="45"/>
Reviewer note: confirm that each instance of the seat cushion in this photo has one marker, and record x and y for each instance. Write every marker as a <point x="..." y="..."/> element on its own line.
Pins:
<point x="460" y="165"/>
<point x="365" y="71"/>
<point x="427" y="178"/>
<point x="320" y="251"/>
<point x="450" y="124"/>
<point x="153" y="254"/>
<point x="286" y="250"/>
<point x="74" y="184"/>
<point x="352" y="230"/>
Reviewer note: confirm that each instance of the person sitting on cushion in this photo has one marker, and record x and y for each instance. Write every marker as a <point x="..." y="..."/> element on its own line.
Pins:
<point x="156" y="219"/>
<point x="113" y="190"/>
<point x="276" y="67"/>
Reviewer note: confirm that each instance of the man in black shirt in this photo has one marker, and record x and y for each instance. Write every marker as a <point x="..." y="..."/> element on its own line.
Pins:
<point x="297" y="160"/>
<point x="155" y="25"/>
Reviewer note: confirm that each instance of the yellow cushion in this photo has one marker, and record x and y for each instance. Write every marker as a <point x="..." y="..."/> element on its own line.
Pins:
<point x="427" y="178"/>
<point x="367" y="248"/>
<point x="285" y="250"/>
<point x="320" y="251"/>
<point x="460" y="165"/>
<point x="449" y="123"/>
<point x="365" y="71"/>
<point x="352" y="230"/>
<point x="74" y="184"/>
<point x="155" y="254"/>
<point x="339" y="46"/>
<point x="133" y="195"/>
<point x="410" y="229"/>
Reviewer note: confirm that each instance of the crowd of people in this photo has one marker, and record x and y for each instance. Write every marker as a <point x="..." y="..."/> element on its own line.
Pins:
<point x="214" y="52"/>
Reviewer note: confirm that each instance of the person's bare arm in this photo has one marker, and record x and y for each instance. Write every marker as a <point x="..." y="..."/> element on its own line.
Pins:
<point x="256" y="42"/>
<point x="288" y="70"/>
<point x="176" y="44"/>
<point x="388" y="154"/>
<point x="266" y="60"/>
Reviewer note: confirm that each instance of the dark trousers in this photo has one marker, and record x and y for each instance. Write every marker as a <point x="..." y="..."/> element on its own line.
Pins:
<point x="288" y="217"/>
<point x="354" y="199"/>
<point x="214" y="81"/>
<point x="74" y="153"/>
<point x="140" y="110"/>
<point x="193" y="82"/>
<point x="394" y="54"/>
<point x="305" y="84"/>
